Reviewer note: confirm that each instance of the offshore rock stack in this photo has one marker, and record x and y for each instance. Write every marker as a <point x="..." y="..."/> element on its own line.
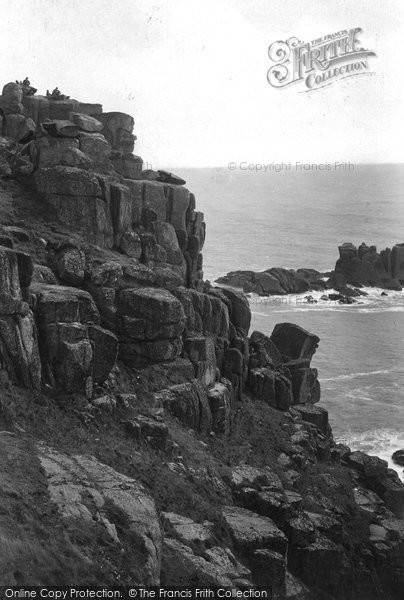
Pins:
<point x="106" y="279"/>
<point x="355" y="268"/>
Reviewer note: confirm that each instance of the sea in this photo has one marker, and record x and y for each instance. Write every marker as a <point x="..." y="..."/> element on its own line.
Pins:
<point x="294" y="219"/>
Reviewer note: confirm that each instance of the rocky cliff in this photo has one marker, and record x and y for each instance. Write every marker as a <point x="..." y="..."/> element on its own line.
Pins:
<point x="147" y="436"/>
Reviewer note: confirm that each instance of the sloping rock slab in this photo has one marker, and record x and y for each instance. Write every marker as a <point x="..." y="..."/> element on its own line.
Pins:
<point x="83" y="488"/>
<point x="252" y="532"/>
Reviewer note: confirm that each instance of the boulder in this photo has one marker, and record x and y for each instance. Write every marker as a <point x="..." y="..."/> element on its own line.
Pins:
<point x="69" y="263"/>
<point x="85" y="490"/>
<point x="117" y="130"/>
<point x="19" y="127"/>
<point x="294" y="342"/>
<point x="61" y="128"/>
<point x="251" y="532"/>
<point x="398" y="457"/>
<point x="86" y="123"/>
<point x="167" y="177"/>
<point x="11" y="98"/>
<point x="95" y="146"/>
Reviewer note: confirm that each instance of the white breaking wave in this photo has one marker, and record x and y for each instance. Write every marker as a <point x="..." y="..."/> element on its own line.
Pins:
<point x="354" y="375"/>
<point x="373" y="302"/>
<point x="379" y="442"/>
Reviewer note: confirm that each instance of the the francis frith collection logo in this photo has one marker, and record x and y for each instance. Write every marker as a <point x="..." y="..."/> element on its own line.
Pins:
<point x="320" y="62"/>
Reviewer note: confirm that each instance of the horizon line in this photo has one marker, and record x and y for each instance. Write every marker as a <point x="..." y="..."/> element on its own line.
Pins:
<point x="225" y="167"/>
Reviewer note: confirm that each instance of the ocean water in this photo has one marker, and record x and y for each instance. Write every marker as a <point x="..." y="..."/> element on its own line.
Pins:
<point x="297" y="219"/>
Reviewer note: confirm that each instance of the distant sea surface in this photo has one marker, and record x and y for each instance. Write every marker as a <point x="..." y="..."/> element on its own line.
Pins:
<point x="298" y="219"/>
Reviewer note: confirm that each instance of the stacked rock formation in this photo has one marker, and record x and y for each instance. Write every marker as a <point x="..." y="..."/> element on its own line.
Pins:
<point x="134" y="285"/>
<point x="365" y="266"/>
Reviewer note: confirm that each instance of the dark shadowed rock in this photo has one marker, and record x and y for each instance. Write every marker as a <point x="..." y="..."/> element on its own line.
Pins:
<point x="251" y="532"/>
<point x="305" y="385"/>
<point x="105" y="351"/>
<point x="268" y="569"/>
<point x="263" y="352"/>
<point x="398" y="457"/>
<point x="364" y="266"/>
<point x="294" y="342"/>
<point x="61" y="128"/>
<point x="314" y="414"/>
<point x="167" y="177"/>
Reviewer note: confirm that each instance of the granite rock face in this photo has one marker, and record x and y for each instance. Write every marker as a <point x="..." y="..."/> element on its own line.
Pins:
<point x="85" y="490"/>
<point x="75" y="351"/>
<point x="365" y="266"/>
<point x="19" y="352"/>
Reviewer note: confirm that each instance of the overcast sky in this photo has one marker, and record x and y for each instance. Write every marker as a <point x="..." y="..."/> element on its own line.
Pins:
<point x="193" y="75"/>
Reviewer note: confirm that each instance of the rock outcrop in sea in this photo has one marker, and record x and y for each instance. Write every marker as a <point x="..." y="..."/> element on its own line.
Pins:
<point x="355" y="268"/>
<point x="147" y="437"/>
